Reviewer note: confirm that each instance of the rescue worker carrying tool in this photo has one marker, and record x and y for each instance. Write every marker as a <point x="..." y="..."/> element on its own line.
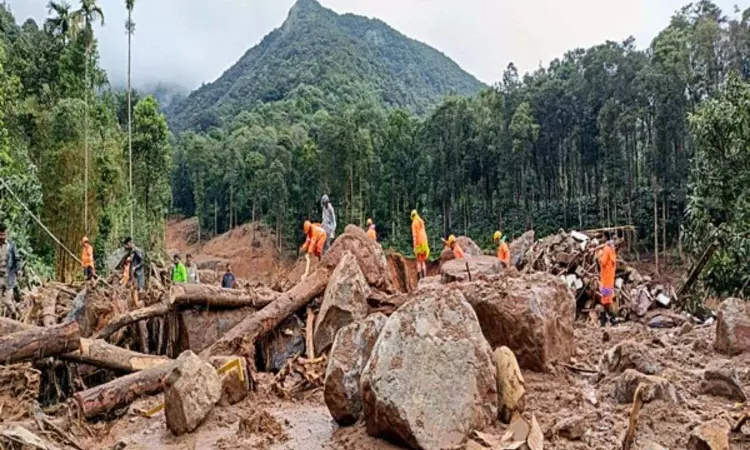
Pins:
<point x="371" y="233"/>
<point x="87" y="259"/>
<point x="503" y="252"/>
<point x="421" y="245"/>
<point x="607" y="256"/>
<point x="315" y="242"/>
<point x="458" y="252"/>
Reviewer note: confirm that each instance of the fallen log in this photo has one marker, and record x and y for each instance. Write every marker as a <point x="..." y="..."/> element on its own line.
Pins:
<point x="123" y="391"/>
<point x="49" y="302"/>
<point x="240" y="340"/>
<point x="697" y="269"/>
<point x="37" y="343"/>
<point x="156" y="310"/>
<point x="217" y="297"/>
<point x="96" y="352"/>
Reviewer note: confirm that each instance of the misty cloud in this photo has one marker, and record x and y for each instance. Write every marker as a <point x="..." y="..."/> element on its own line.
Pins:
<point x="188" y="42"/>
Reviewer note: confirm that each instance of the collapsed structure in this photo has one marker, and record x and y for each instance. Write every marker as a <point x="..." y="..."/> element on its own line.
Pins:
<point x="359" y="331"/>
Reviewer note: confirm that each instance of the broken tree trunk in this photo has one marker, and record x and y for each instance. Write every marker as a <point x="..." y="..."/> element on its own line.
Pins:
<point x="95" y="352"/>
<point x="697" y="269"/>
<point x="240" y="340"/>
<point x="123" y="391"/>
<point x="49" y="302"/>
<point x="215" y="296"/>
<point x="37" y="343"/>
<point x="156" y="310"/>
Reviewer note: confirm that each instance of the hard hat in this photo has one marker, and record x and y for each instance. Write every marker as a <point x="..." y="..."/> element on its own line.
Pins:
<point x="369" y="222"/>
<point x="307" y="226"/>
<point x="497" y="236"/>
<point x="413" y="214"/>
<point x="451" y="239"/>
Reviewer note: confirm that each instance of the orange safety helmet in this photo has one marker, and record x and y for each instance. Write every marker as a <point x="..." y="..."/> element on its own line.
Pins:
<point x="307" y="226"/>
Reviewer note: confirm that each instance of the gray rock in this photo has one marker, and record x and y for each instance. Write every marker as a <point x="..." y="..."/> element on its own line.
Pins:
<point x="344" y="302"/>
<point x="430" y="379"/>
<point x="656" y="388"/>
<point x="192" y="390"/>
<point x="733" y="327"/>
<point x="511" y="387"/>
<point x="349" y="354"/>
<point x="479" y="266"/>
<point x="723" y="383"/>
<point x="628" y="355"/>
<point x="713" y="435"/>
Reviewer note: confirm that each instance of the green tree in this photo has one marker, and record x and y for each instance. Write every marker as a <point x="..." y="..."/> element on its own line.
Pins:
<point x="130" y="29"/>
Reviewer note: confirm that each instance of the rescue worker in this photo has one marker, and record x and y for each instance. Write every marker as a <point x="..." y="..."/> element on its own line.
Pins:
<point x="9" y="268"/>
<point x="179" y="273"/>
<point x="315" y="242"/>
<point x="329" y="221"/>
<point x="371" y="233"/>
<point x="229" y="281"/>
<point x="607" y="256"/>
<point x="87" y="259"/>
<point x="137" y="274"/>
<point x="451" y="243"/>
<point x="192" y="270"/>
<point x="421" y="245"/>
<point x="503" y="252"/>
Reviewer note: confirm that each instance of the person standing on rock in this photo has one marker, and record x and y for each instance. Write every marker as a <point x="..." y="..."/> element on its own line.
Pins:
<point x="329" y="221"/>
<point x="421" y="245"/>
<point x="9" y="268"/>
<point x="315" y="242"/>
<point x="451" y="243"/>
<point x="503" y="252"/>
<point x="87" y="259"/>
<point x="607" y="256"/>
<point x="228" y="281"/>
<point x="371" y="233"/>
<point x="192" y="270"/>
<point x="179" y="273"/>
<point x="136" y="264"/>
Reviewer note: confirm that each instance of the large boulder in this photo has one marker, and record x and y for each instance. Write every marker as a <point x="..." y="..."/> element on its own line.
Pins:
<point x="430" y="379"/>
<point x="531" y="314"/>
<point x="235" y="382"/>
<point x="369" y="255"/>
<point x="344" y="302"/>
<point x="511" y="388"/>
<point x="733" y="327"/>
<point x="626" y="355"/>
<point x="349" y="354"/>
<point x="192" y="389"/>
<point x="481" y="267"/>
<point x="712" y="435"/>
<point x="519" y="247"/>
<point x="467" y="245"/>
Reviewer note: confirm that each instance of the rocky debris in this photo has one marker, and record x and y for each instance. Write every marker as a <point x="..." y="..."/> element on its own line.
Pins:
<point x="532" y="315"/>
<point x="431" y="281"/>
<point x="369" y="255"/>
<point x="570" y="427"/>
<point x="287" y="340"/>
<point x="628" y="355"/>
<point x="261" y="424"/>
<point x="430" y="379"/>
<point x="344" y="302"/>
<point x="234" y="385"/>
<point x="723" y="383"/>
<point x="16" y="436"/>
<point x="522" y="435"/>
<point x="349" y="354"/>
<point x="480" y="267"/>
<point x="199" y="329"/>
<point x="654" y="388"/>
<point x="511" y="388"/>
<point x="733" y="327"/>
<point x="19" y="390"/>
<point x="713" y="435"/>
<point x="192" y="390"/>
<point x="518" y="248"/>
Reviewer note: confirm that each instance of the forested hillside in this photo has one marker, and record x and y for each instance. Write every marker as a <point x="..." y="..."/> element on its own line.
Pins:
<point x="599" y="137"/>
<point x="326" y="60"/>
<point x="63" y="143"/>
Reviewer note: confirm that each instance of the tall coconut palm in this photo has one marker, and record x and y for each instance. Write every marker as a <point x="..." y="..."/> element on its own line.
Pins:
<point x="82" y="23"/>
<point x="130" y="28"/>
<point x="60" y="22"/>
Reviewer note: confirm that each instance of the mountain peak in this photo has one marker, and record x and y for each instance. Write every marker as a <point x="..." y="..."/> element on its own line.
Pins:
<point x="305" y="6"/>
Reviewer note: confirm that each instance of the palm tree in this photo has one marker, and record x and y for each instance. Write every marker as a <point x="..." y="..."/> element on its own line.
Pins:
<point x="60" y="22"/>
<point x="82" y="22"/>
<point x="130" y="28"/>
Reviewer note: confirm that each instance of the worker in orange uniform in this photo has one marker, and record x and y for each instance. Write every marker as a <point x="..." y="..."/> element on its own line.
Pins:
<point x="421" y="245"/>
<point x="503" y="252"/>
<point x="87" y="259"/>
<point x="314" y="243"/>
<point x="458" y="252"/>
<point x="371" y="233"/>
<point x="607" y="256"/>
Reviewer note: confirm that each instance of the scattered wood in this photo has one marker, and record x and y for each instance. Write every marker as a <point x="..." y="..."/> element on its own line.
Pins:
<point x="240" y="340"/>
<point x="38" y="343"/>
<point x="155" y="310"/>
<point x="309" y="329"/>
<point x="697" y="269"/>
<point x="217" y="297"/>
<point x="635" y="411"/>
<point x="580" y="369"/>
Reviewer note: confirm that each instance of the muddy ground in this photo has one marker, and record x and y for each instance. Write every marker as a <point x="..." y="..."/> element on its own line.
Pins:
<point x="263" y="421"/>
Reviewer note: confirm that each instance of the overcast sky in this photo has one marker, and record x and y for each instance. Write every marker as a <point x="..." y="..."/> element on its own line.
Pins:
<point x="193" y="41"/>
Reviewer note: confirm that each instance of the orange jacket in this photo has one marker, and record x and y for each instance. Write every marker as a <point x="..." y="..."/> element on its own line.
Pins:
<point x="458" y="252"/>
<point x="316" y="240"/>
<point x="419" y="236"/>
<point x="372" y="234"/>
<point x="607" y="263"/>
<point x="87" y="256"/>
<point x="503" y="254"/>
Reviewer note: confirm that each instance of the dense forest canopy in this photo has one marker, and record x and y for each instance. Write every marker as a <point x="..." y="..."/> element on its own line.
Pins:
<point x="346" y="106"/>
